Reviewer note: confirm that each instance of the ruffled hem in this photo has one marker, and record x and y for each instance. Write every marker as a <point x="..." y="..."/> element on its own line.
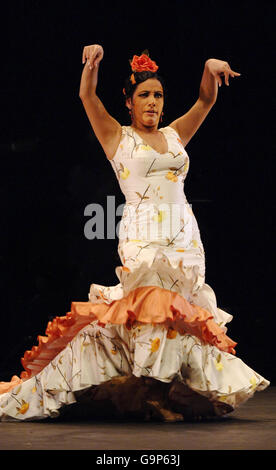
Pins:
<point x="147" y="305"/>
<point x="108" y="364"/>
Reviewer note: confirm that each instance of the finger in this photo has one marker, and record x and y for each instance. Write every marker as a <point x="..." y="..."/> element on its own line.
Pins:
<point x="220" y="77"/>
<point x="95" y="59"/>
<point x="219" y="80"/>
<point x="92" y="57"/>
<point x="93" y="63"/>
<point x="226" y="78"/>
<point x="98" y="58"/>
<point x="234" y="74"/>
<point x="88" y="61"/>
<point x="83" y="55"/>
<point x="86" y="54"/>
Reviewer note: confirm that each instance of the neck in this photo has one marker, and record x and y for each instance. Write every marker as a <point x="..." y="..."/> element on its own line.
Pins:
<point x="144" y="128"/>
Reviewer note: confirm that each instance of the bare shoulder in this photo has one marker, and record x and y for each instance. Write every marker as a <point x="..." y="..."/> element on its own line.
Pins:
<point x="188" y="124"/>
<point x="173" y="125"/>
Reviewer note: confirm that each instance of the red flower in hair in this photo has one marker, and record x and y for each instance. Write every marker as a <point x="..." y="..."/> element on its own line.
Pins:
<point x="142" y="63"/>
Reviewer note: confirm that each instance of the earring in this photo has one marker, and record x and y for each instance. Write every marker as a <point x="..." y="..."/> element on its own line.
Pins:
<point x="161" y="118"/>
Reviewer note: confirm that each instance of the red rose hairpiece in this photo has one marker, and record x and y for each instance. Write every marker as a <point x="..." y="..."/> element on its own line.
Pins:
<point x="142" y="63"/>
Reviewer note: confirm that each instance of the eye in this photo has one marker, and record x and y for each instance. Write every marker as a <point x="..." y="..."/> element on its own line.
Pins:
<point x="158" y="95"/>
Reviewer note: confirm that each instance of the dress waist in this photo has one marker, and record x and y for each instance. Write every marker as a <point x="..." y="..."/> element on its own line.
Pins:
<point x="152" y="221"/>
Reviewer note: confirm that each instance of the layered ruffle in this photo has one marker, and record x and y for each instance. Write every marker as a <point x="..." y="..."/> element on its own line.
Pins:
<point x="148" y="305"/>
<point x="148" y="264"/>
<point x="115" y="364"/>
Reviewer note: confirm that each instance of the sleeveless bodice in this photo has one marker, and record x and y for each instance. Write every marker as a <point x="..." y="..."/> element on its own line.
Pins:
<point x="147" y="176"/>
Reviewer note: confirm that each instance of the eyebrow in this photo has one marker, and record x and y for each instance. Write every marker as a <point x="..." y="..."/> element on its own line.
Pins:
<point x="148" y="91"/>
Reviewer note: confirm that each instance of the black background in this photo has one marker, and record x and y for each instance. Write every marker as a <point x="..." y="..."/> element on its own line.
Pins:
<point x="52" y="166"/>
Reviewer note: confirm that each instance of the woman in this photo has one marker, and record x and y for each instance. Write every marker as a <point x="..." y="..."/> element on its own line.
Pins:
<point x="154" y="345"/>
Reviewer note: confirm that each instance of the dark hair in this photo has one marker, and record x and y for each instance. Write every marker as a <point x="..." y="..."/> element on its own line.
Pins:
<point x="141" y="77"/>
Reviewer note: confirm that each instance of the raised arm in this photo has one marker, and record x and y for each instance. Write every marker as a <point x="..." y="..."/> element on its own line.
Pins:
<point x="107" y="129"/>
<point x="189" y="123"/>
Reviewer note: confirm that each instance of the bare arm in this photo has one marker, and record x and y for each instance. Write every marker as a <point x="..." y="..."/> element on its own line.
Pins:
<point x="107" y="129"/>
<point x="189" y="123"/>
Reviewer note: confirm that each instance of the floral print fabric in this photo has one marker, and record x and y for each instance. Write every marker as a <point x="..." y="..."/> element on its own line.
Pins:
<point x="98" y="354"/>
<point x="159" y="245"/>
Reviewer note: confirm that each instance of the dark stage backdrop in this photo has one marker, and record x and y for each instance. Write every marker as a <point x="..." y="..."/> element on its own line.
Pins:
<point x="52" y="166"/>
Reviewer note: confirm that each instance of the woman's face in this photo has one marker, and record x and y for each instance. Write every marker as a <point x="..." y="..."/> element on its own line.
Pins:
<point x="146" y="104"/>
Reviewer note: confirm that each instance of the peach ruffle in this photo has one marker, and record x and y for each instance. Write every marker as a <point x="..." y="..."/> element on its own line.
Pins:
<point x="147" y="304"/>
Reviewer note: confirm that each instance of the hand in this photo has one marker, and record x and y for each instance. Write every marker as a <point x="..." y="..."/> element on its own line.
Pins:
<point x="89" y="80"/>
<point x="93" y="55"/>
<point x="220" y="68"/>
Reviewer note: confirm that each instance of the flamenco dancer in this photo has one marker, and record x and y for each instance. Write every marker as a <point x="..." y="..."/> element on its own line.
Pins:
<point x="154" y="346"/>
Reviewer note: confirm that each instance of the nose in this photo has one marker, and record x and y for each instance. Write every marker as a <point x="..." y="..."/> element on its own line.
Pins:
<point x="152" y="100"/>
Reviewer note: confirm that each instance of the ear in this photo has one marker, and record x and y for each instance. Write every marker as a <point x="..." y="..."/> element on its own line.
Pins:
<point x="128" y="103"/>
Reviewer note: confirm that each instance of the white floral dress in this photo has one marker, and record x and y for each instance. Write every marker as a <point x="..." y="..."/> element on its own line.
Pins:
<point x="160" y="321"/>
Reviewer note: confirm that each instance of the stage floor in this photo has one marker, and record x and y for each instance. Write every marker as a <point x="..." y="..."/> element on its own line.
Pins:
<point x="252" y="427"/>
